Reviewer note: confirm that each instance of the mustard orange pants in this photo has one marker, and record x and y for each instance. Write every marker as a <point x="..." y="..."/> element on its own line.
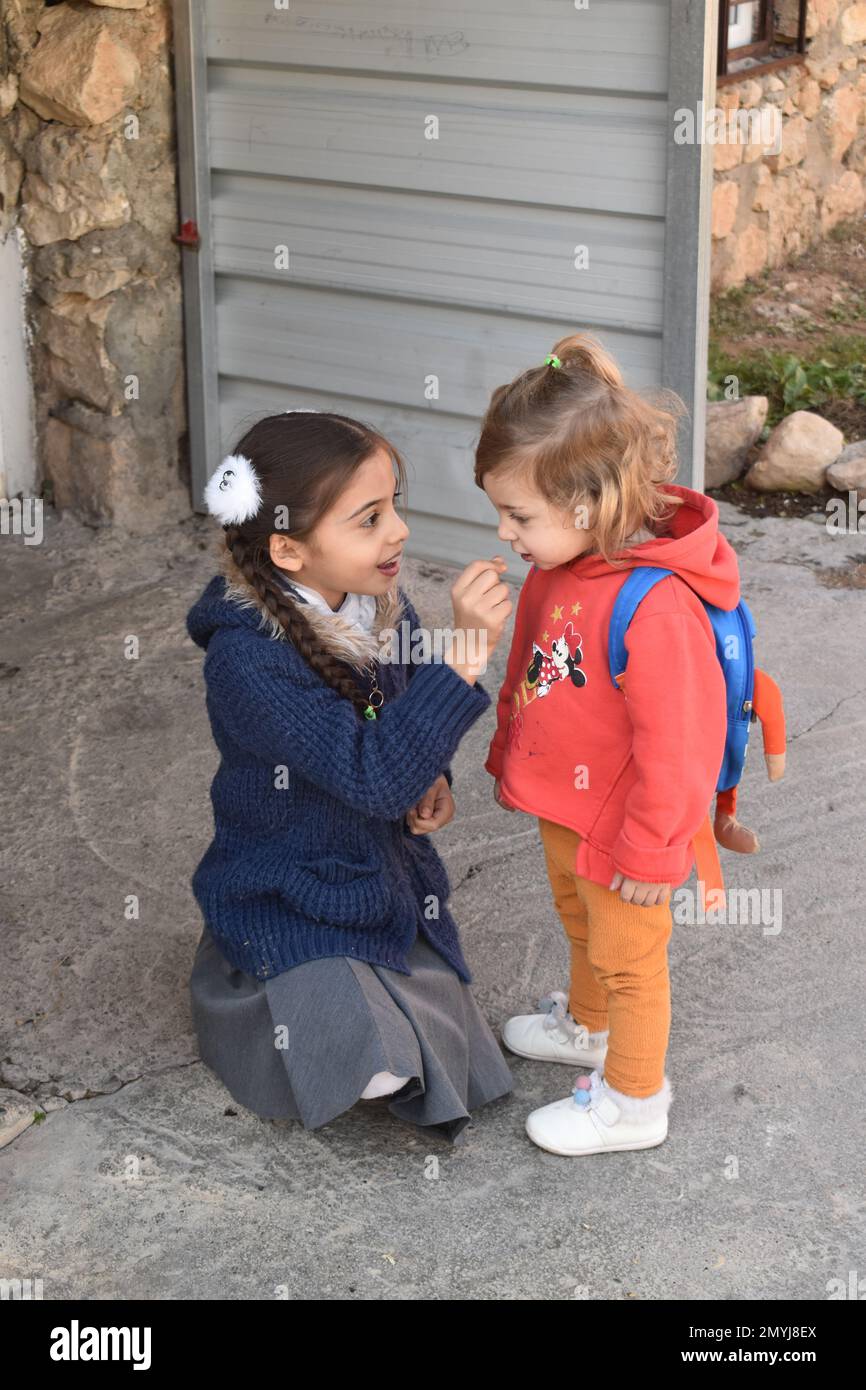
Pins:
<point x="619" y="967"/>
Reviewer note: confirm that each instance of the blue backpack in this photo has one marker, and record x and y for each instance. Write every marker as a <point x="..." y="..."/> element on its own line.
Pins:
<point x="734" y="632"/>
<point x="751" y="694"/>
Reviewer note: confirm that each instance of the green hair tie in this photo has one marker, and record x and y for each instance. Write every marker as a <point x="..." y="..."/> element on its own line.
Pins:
<point x="552" y="359"/>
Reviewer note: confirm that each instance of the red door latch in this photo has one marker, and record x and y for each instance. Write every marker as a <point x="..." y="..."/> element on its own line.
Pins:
<point x="188" y="234"/>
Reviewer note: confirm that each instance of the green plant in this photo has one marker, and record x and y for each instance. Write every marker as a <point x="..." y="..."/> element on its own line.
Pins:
<point x="816" y="382"/>
<point x="790" y="382"/>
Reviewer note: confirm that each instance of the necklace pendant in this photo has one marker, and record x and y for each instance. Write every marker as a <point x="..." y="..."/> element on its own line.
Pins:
<point x="376" y="698"/>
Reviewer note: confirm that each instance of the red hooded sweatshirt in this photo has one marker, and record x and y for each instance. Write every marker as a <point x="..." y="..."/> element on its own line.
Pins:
<point x="632" y="770"/>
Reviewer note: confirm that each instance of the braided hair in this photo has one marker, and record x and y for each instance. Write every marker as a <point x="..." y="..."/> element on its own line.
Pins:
<point x="303" y="461"/>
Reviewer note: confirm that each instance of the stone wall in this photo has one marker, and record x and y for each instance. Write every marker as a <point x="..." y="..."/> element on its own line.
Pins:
<point x="768" y="206"/>
<point x="87" y="171"/>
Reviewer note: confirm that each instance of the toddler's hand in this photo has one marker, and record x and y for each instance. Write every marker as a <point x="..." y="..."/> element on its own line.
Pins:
<point x="435" y="809"/>
<point x="500" y="799"/>
<point x="631" y="890"/>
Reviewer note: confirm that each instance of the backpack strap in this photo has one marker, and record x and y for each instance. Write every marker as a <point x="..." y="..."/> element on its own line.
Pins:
<point x="711" y="884"/>
<point x="640" y="581"/>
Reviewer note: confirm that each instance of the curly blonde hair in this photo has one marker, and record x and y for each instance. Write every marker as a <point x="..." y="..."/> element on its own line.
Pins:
<point x="583" y="438"/>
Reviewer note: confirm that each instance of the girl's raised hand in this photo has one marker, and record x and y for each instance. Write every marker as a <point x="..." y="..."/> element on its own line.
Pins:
<point x="631" y="890"/>
<point x="482" y="606"/>
<point x="480" y="599"/>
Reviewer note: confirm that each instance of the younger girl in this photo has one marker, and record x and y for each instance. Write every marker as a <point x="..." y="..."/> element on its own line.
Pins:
<point x="329" y="969"/>
<point x="620" y="778"/>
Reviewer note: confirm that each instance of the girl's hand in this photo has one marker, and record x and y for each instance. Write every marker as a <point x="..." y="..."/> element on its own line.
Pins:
<point x="482" y="606"/>
<point x="435" y="809"/>
<point x="631" y="890"/>
<point x="500" y="799"/>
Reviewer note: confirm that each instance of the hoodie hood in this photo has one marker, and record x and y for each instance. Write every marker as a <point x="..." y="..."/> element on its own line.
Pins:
<point x="231" y="601"/>
<point x="693" y="547"/>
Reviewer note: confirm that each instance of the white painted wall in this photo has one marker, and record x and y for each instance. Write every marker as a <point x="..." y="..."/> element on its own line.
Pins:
<point x="17" y="440"/>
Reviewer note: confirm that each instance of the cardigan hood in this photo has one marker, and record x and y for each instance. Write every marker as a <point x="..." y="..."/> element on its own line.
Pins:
<point x="631" y="770"/>
<point x="231" y="599"/>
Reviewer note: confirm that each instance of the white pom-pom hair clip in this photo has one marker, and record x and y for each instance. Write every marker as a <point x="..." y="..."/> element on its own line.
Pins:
<point x="233" y="494"/>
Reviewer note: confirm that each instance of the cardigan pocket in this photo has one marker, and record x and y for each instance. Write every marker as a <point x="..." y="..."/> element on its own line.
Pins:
<point x="338" y="892"/>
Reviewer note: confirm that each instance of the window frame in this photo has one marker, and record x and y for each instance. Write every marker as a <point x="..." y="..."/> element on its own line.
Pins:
<point x="763" y="45"/>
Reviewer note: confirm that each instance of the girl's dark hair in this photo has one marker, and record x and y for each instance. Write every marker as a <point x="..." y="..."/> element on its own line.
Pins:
<point x="303" y="460"/>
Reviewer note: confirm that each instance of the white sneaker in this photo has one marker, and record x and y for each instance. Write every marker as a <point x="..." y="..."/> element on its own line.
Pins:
<point x="554" y="1036"/>
<point x="604" y="1122"/>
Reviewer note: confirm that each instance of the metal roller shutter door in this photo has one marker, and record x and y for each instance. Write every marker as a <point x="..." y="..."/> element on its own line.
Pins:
<point x="452" y="258"/>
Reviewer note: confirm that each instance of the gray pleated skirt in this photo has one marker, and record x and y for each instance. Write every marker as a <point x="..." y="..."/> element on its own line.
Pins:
<point x="305" y="1043"/>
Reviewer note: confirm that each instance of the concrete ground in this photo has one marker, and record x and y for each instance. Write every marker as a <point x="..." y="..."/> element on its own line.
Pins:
<point x="144" y="1180"/>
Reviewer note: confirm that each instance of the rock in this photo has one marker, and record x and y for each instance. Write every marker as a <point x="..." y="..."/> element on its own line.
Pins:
<point x="853" y="26"/>
<point x="16" y="1077"/>
<point x="793" y="145"/>
<point x="8" y="94"/>
<point x="764" y="196"/>
<point x="726" y="196"/>
<point x="50" y="1103"/>
<point x="819" y="15"/>
<point x="96" y="264"/>
<point x="809" y="98"/>
<point x="16" y="1115"/>
<point x="72" y="333"/>
<point x="826" y="74"/>
<point x="727" y="154"/>
<point x="857" y="152"/>
<point x="797" y="454"/>
<point x="75" y="1091"/>
<point x="11" y="176"/>
<point x="745" y="259"/>
<point x="751" y="93"/>
<point x="794" y="210"/>
<point x="21" y="25"/>
<point x="79" y="72"/>
<point x="848" y="473"/>
<point x="841" y="118"/>
<point x="111" y="470"/>
<point x="841" y="200"/>
<point x="773" y="312"/>
<point x="75" y="183"/>
<point x="732" y="429"/>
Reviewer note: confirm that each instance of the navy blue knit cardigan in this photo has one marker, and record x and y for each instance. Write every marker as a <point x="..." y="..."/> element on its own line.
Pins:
<point x="326" y="865"/>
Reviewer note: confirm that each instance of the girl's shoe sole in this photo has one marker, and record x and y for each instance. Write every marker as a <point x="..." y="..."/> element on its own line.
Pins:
<point x="533" y="1057"/>
<point x="603" y="1149"/>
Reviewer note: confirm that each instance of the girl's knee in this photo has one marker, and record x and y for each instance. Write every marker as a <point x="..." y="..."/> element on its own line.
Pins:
<point x="629" y="977"/>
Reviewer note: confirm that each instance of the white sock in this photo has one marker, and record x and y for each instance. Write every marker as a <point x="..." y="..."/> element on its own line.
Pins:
<point x="382" y="1084"/>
